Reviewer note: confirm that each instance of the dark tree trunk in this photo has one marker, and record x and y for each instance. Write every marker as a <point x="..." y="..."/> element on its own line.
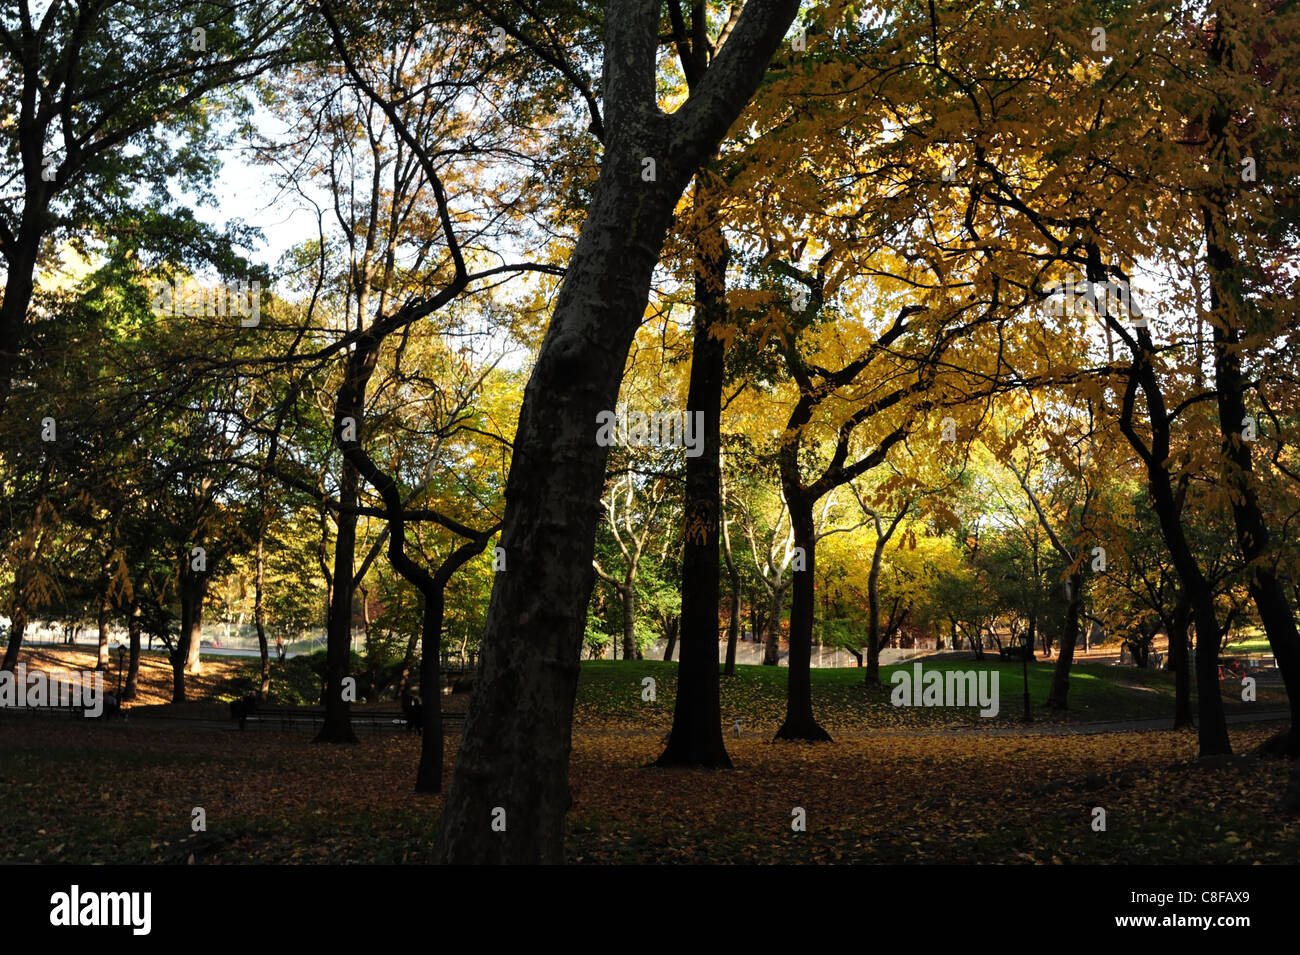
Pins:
<point x="1253" y="538"/>
<point x="1178" y="659"/>
<point x="337" y="725"/>
<point x="21" y="260"/>
<point x="772" y="634"/>
<point x="799" y="722"/>
<point x="16" y="627"/>
<point x="672" y="638"/>
<point x="193" y="591"/>
<point x="733" y="630"/>
<point x="733" y="579"/>
<point x="696" y="736"/>
<point x="872" y="676"/>
<point x="133" y="664"/>
<point x="408" y="660"/>
<point x="1058" y="698"/>
<point x="627" y="594"/>
<point x="428" y="777"/>
<point x="515" y="752"/>
<point x="1213" y="729"/>
<point x="259" y="618"/>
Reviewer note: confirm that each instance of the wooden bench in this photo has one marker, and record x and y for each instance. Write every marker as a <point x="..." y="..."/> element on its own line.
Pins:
<point x="111" y="710"/>
<point x="292" y="717"/>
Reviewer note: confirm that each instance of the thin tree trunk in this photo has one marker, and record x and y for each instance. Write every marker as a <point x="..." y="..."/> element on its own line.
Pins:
<point x="772" y="636"/>
<point x="733" y="628"/>
<point x="408" y="660"/>
<point x="133" y="663"/>
<point x="428" y="776"/>
<point x="1058" y="698"/>
<point x="800" y="724"/>
<point x="1178" y="658"/>
<point x="627" y="594"/>
<point x="337" y="725"/>
<point x="696" y="736"/>
<point x="733" y="579"/>
<point x="259" y="616"/>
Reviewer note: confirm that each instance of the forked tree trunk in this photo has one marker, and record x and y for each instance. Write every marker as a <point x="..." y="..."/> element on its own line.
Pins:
<point x="510" y="792"/>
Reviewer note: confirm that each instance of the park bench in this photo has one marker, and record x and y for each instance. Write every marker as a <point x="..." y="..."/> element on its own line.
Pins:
<point x="294" y="717"/>
<point x="111" y="710"/>
<point x="1015" y="652"/>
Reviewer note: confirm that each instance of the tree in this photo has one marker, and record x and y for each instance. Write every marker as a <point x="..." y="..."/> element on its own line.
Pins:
<point x="515" y="749"/>
<point x="88" y="85"/>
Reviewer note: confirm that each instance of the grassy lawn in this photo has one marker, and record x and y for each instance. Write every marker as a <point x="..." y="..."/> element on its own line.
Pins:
<point x="610" y="693"/>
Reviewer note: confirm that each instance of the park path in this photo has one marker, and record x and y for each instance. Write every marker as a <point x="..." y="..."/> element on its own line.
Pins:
<point x="1000" y="729"/>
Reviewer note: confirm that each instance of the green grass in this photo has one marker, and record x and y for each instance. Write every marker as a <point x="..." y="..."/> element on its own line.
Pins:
<point x="612" y="691"/>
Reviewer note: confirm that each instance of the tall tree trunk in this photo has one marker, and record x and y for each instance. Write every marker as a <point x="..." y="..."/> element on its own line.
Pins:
<point x="337" y="725"/>
<point x="1058" y="698"/>
<point x="194" y="647"/>
<point x="193" y="590"/>
<point x="696" y="735"/>
<point x="627" y="594"/>
<point x="772" y="630"/>
<point x="259" y="615"/>
<point x="1253" y="538"/>
<point x="799" y="722"/>
<point x="733" y="629"/>
<point x="133" y="664"/>
<point x="733" y="580"/>
<point x="872" y="675"/>
<point x="1213" y="729"/>
<point x="428" y="776"/>
<point x="514" y="756"/>
<point x="1178" y="657"/>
